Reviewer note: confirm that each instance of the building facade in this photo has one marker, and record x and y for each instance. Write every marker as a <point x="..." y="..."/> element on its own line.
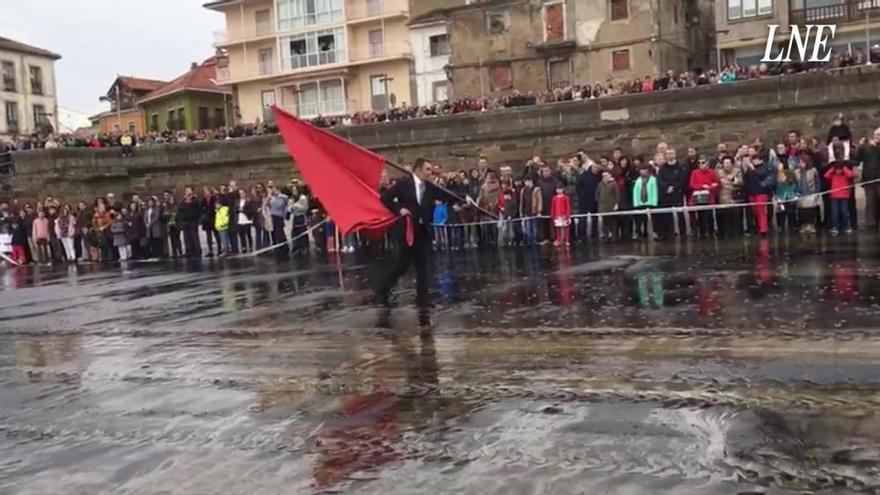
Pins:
<point x="314" y="58"/>
<point x="190" y="102"/>
<point x="501" y="45"/>
<point x="742" y="25"/>
<point x="124" y="113"/>
<point x="27" y="89"/>
<point x="431" y="49"/>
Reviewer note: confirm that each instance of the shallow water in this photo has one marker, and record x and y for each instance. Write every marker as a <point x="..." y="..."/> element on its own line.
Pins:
<point x="705" y="368"/>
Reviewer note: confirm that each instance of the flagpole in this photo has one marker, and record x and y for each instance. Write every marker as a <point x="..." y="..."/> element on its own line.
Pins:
<point x="447" y="191"/>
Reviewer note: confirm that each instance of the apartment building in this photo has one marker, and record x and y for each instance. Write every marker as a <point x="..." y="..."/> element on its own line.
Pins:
<point x="498" y="46"/>
<point x="431" y="49"/>
<point x="314" y="57"/>
<point x="27" y="89"/>
<point x="742" y="25"/>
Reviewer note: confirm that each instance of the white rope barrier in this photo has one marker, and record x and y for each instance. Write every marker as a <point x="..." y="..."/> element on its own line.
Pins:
<point x="288" y="242"/>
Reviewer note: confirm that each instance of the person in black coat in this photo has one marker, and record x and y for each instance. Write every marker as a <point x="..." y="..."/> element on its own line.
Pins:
<point x="189" y="213"/>
<point x="411" y="196"/>
<point x="586" y="185"/>
<point x="670" y="187"/>
<point x="548" y="183"/>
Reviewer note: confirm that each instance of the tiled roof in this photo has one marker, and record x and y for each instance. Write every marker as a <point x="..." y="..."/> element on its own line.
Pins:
<point x="200" y="78"/>
<point x="17" y="46"/>
<point x="139" y="84"/>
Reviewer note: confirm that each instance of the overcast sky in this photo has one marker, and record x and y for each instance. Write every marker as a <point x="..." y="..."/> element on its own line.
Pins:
<point x="98" y="39"/>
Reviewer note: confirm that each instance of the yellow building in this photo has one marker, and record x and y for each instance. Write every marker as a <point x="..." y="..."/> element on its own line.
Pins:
<point x="325" y="57"/>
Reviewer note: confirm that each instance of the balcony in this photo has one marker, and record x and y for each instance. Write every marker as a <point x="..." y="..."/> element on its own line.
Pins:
<point x="327" y="108"/>
<point x="250" y="34"/>
<point x="847" y="11"/>
<point x="381" y="51"/>
<point x="368" y="10"/>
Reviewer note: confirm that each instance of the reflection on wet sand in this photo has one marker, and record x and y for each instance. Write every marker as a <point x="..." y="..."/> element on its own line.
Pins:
<point x="716" y="368"/>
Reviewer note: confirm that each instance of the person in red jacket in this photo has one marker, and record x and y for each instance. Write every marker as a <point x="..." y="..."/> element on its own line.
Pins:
<point x="840" y="176"/>
<point x="560" y="213"/>
<point x="704" y="186"/>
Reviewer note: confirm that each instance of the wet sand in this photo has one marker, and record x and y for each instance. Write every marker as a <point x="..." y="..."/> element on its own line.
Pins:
<point x="705" y="367"/>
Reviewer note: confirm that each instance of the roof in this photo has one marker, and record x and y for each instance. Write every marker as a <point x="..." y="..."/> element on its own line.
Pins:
<point x="199" y="78"/>
<point x="434" y="16"/>
<point x="216" y="4"/>
<point x="17" y="46"/>
<point x="139" y="84"/>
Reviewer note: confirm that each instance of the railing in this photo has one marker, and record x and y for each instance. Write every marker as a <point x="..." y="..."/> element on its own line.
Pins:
<point x="327" y="108"/>
<point x="849" y="11"/>
<point x="365" y="9"/>
<point x="254" y="32"/>
<point x="380" y="50"/>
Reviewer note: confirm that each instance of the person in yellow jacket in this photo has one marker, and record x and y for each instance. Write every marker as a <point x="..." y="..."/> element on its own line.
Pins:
<point x="221" y="225"/>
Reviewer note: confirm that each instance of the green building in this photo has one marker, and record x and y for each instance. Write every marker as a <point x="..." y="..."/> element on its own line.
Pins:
<point x="190" y="102"/>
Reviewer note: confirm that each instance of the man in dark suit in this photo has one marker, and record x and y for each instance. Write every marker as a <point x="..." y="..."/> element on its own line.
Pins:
<point x="411" y="196"/>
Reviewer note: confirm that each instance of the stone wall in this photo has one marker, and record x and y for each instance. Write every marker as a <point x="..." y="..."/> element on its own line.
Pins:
<point x="700" y="117"/>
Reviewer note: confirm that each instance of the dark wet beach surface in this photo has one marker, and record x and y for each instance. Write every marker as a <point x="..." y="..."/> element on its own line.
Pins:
<point x="706" y="367"/>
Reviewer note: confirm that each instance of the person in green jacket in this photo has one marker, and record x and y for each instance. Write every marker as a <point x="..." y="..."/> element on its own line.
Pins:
<point x="644" y="198"/>
<point x="221" y="225"/>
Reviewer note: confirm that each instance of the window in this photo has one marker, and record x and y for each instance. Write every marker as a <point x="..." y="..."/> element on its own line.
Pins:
<point x="377" y="47"/>
<point x="313" y="48"/>
<point x="39" y="116"/>
<point x="293" y="14"/>
<point x="440" y="91"/>
<point x="559" y="73"/>
<point x="219" y="117"/>
<point x="181" y="118"/>
<point x="171" y="124"/>
<point x="265" y="61"/>
<point x="554" y="22"/>
<point x="11" y="117"/>
<point x="439" y="45"/>
<point x="379" y="92"/>
<point x="36" y="79"/>
<point x="620" y="60"/>
<point x="619" y="10"/>
<point x="267" y="98"/>
<point x="501" y="78"/>
<point x="204" y="122"/>
<point x="264" y="22"/>
<point x="8" y="76"/>
<point x="497" y="22"/>
<point x="154" y="122"/>
<point x="740" y="9"/>
<point x="374" y="7"/>
<point x="131" y="128"/>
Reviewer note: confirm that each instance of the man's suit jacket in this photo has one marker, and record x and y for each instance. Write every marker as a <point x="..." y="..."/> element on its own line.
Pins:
<point x="403" y="195"/>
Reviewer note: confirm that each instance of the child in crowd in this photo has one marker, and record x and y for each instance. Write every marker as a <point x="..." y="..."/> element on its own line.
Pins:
<point x="508" y="214"/>
<point x="645" y="196"/>
<point x="41" y="235"/>
<point x="221" y="225"/>
<point x="441" y="216"/>
<point x="607" y="198"/>
<point x="530" y="203"/>
<point x="560" y="213"/>
<point x="119" y="233"/>
<point x="808" y="185"/>
<point x="785" y="196"/>
<point x="840" y="177"/>
<point x="454" y="229"/>
<point x="839" y="133"/>
<point x="19" y="241"/>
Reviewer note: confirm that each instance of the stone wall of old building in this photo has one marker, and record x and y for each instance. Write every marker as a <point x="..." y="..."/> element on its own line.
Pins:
<point x="700" y="117"/>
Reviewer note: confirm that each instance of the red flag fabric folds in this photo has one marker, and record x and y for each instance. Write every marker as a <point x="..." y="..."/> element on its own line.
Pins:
<point x="342" y="175"/>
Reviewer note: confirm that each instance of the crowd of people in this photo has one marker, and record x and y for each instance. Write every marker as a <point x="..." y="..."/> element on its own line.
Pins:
<point x="663" y="82"/>
<point x="800" y="183"/>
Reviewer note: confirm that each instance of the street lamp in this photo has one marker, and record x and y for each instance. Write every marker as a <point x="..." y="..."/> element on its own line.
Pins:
<point x="385" y="80"/>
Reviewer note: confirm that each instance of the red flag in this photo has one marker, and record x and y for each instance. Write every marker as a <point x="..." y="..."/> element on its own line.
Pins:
<point x="343" y="175"/>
